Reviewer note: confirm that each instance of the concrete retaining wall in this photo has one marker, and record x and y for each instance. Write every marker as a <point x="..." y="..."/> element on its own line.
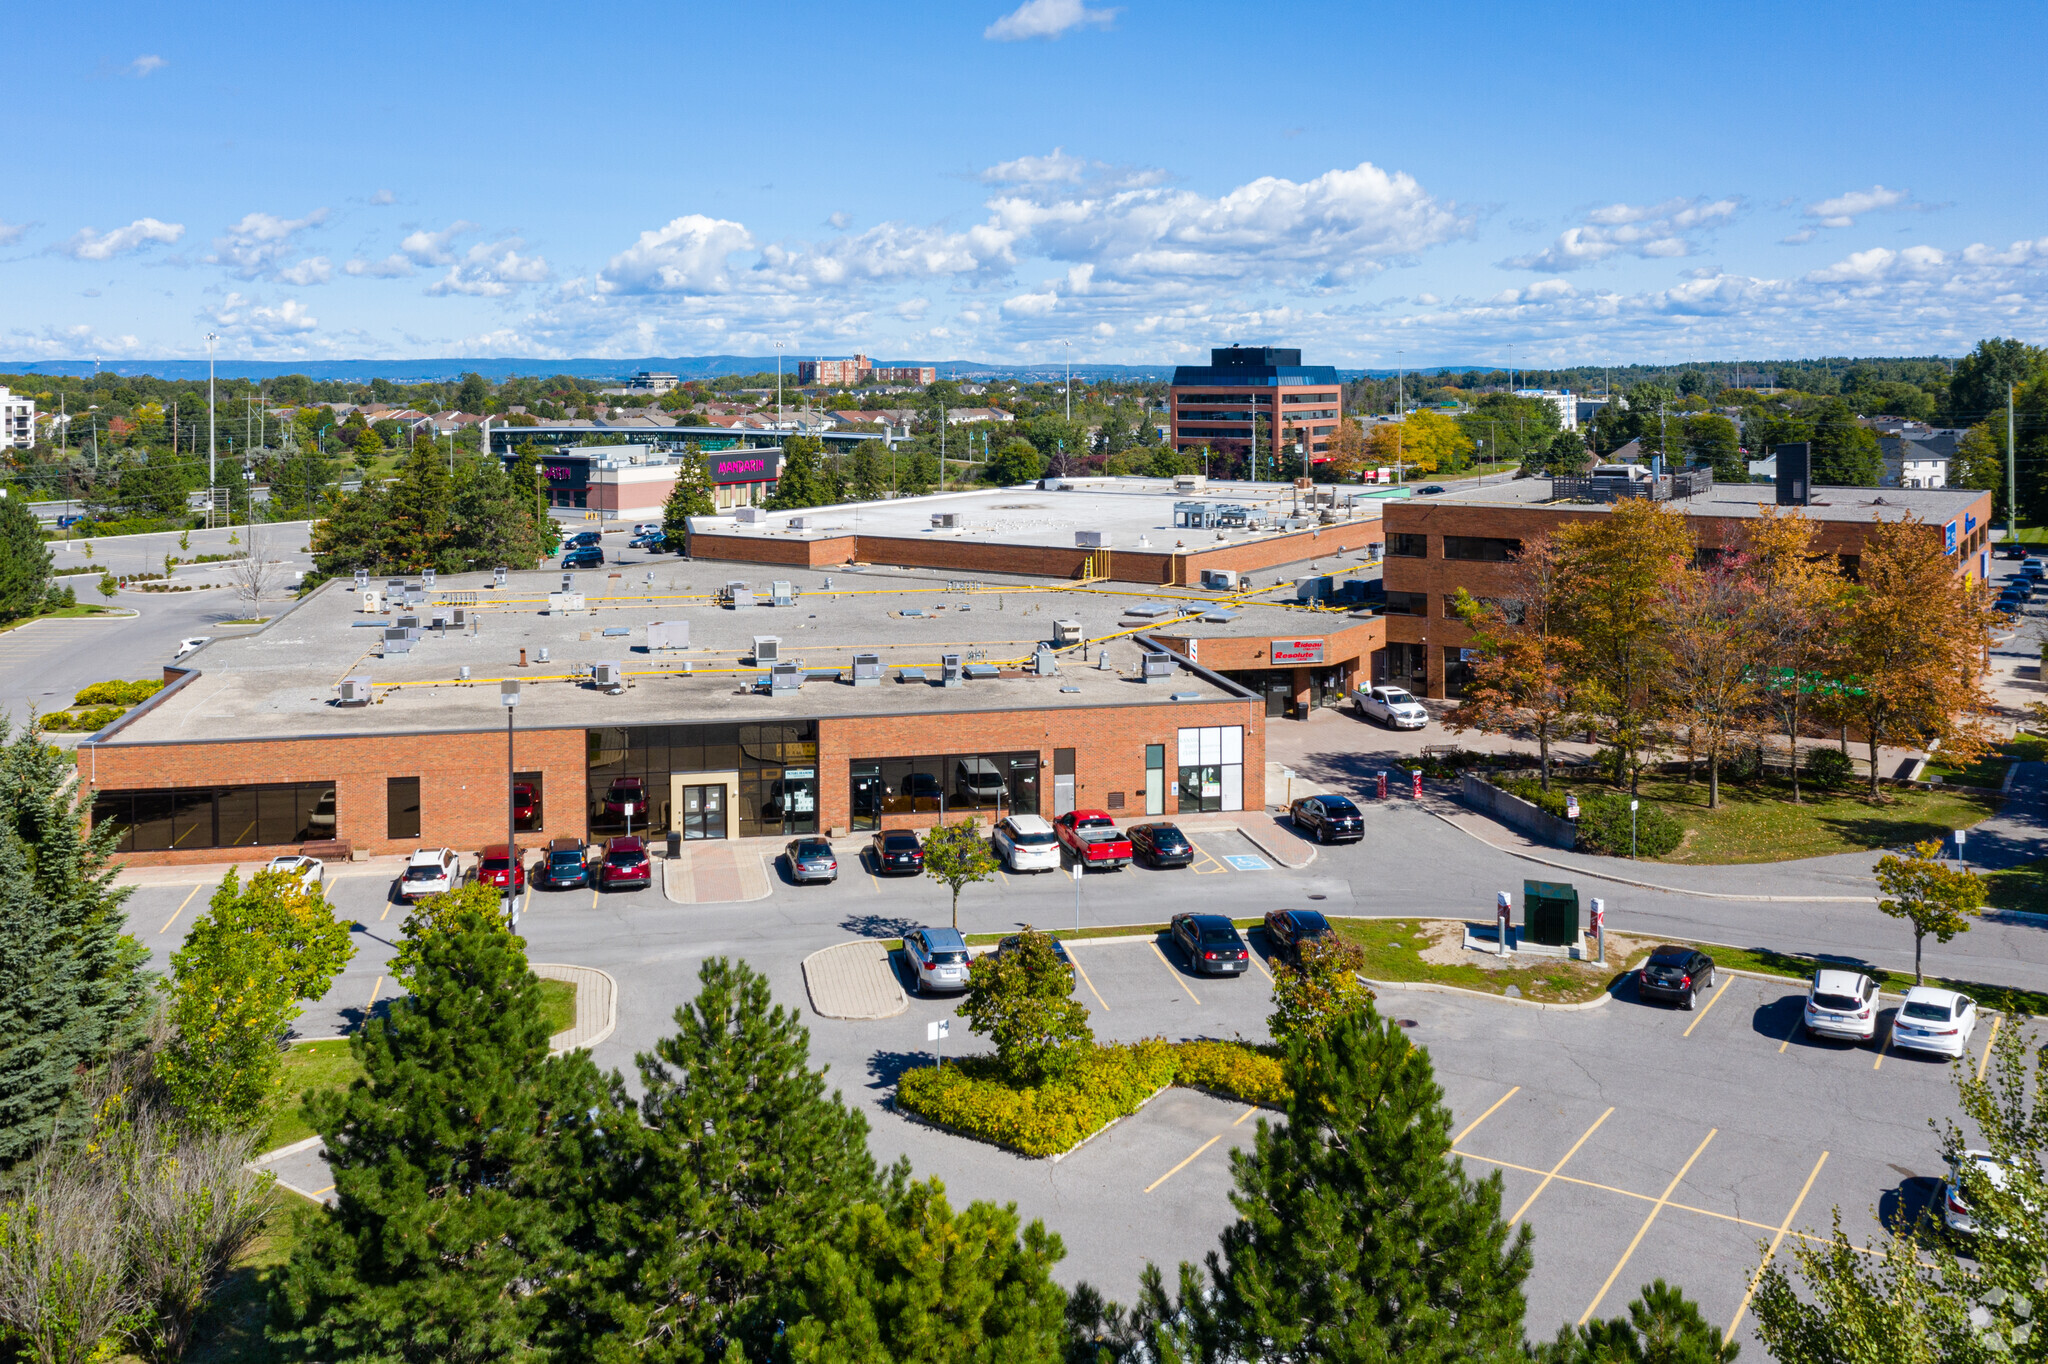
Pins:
<point x="1512" y="810"/>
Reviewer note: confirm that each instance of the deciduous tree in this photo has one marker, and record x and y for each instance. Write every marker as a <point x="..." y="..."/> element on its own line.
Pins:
<point x="1521" y="678"/>
<point x="1715" y="658"/>
<point x="1798" y="599"/>
<point x="1023" y="1001"/>
<point x="1431" y="441"/>
<point x="1322" y="983"/>
<point x="1925" y="891"/>
<point x="957" y="856"/>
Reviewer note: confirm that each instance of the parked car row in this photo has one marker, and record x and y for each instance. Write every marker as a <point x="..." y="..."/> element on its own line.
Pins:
<point x="565" y="864"/>
<point x="1022" y="843"/>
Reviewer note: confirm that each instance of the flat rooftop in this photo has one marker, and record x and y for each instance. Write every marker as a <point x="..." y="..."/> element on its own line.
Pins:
<point x="282" y="681"/>
<point x="1136" y="514"/>
<point x="1934" y="505"/>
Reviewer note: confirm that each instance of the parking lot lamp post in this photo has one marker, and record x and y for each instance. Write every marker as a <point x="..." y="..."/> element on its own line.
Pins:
<point x="508" y="697"/>
<point x="1080" y="865"/>
<point x="1632" y="829"/>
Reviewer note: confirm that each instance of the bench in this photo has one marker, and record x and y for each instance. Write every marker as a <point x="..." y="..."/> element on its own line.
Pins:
<point x="332" y="850"/>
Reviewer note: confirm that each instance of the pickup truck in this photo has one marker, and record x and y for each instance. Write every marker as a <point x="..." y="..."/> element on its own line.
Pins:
<point x="1093" y="838"/>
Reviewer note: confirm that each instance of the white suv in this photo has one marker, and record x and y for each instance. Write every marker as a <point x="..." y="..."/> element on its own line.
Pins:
<point x="1391" y="706"/>
<point x="1842" y="1004"/>
<point x="1027" y="843"/>
<point x="430" y="871"/>
<point x="310" y="870"/>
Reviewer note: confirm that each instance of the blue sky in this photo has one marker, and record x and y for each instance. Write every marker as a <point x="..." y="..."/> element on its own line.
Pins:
<point x="1377" y="184"/>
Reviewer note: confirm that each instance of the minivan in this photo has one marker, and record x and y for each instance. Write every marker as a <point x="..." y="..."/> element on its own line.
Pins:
<point x="979" y="780"/>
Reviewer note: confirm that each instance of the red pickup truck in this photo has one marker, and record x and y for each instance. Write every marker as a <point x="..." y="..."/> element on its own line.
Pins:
<point x="1092" y="836"/>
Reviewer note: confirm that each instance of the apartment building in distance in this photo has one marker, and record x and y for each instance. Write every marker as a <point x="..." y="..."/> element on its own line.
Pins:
<point x="17" y="421"/>
<point x="1219" y="404"/>
<point x="861" y="370"/>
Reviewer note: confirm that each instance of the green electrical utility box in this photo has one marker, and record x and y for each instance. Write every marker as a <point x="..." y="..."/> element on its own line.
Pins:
<point x="1550" y="913"/>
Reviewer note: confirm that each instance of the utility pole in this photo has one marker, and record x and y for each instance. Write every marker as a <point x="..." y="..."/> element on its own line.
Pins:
<point x="778" y="383"/>
<point x="1070" y="378"/>
<point x="210" y="339"/>
<point x="2012" y="482"/>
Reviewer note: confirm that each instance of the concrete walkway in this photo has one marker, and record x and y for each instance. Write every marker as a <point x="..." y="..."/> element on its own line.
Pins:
<point x="854" y="980"/>
<point x="597" y="1005"/>
<point x="721" y="872"/>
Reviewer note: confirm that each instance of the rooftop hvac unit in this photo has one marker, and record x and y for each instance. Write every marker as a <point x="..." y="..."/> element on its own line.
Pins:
<point x="749" y="516"/>
<point x="668" y="634"/>
<point x="568" y="581"/>
<point x="355" y="691"/>
<point x="563" y="603"/>
<point x="1091" y="539"/>
<point x="1042" y="662"/>
<point x="781" y="594"/>
<point x="440" y="619"/>
<point x="1187" y="483"/>
<point x="397" y="632"/>
<point x="397" y="642"/>
<point x="1314" y="587"/>
<point x="459" y="618"/>
<point x="945" y="520"/>
<point x="395" y="586"/>
<point x="785" y="677"/>
<point x="1159" y="667"/>
<point x="1220" y="579"/>
<point x="606" y="677"/>
<point x="498" y="576"/>
<point x="867" y="670"/>
<point x="740" y="598"/>
<point x="949" y="670"/>
<point x="1065" y="632"/>
<point x="428" y="578"/>
<point x="372" y="602"/>
<point x="362" y="578"/>
<point x="799" y="522"/>
<point x="767" y="649"/>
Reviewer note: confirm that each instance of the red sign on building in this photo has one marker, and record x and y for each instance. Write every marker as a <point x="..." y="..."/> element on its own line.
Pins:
<point x="1296" y="651"/>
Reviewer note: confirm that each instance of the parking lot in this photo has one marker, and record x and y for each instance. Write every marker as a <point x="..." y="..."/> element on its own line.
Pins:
<point x="1635" y="1140"/>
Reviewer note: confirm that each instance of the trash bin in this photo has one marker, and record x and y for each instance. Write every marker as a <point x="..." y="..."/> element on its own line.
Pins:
<point x="675" y="843"/>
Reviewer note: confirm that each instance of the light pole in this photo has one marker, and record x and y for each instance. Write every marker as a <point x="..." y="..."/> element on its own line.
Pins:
<point x="1632" y="828"/>
<point x="778" y="383"/>
<point x="211" y="337"/>
<point x="508" y="697"/>
<point x="1070" y="378"/>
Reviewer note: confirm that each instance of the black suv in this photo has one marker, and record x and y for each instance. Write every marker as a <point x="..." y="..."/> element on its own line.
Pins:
<point x="583" y="556"/>
<point x="1159" y="845"/>
<point x="1211" y="944"/>
<point x="1288" y="929"/>
<point x="1332" y="819"/>
<point x="898" y="851"/>
<point x="565" y="864"/>
<point x="1676" y="973"/>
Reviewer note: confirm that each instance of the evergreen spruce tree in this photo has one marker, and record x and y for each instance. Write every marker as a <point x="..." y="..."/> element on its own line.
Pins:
<point x="1662" y="1326"/>
<point x="919" y="468"/>
<point x="1357" y="1237"/>
<point x="416" y="529"/>
<point x="1845" y="453"/>
<point x="453" y="1163"/>
<point x="868" y="477"/>
<point x="24" y="560"/>
<point x="909" y="1281"/>
<point x="802" y="482"/>
<point x="692" y="497"/>
<point x="743" y="1167"/>
<point x="72" y="985"/>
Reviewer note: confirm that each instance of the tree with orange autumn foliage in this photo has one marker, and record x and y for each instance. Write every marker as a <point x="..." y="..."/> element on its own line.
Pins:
<point x="1797" y="610"/>
<point x="1520" y="681"/>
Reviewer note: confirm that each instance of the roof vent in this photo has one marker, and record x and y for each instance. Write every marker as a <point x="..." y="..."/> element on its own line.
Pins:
<point x="1091" y="539"/>
<point x="867" y="670"/>
<point x="355" y="691"/>
<point x="945" y="520"/>
<point x="1042" y="661"/>
<point x="1185" y="696"/>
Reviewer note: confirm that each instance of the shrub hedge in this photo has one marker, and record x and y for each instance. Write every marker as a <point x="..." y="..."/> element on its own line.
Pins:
<point x="971" y="1097"/>
<point x="1603" y="820"/>
<point x="118" y="693"/>
<point x="81" y="722"/>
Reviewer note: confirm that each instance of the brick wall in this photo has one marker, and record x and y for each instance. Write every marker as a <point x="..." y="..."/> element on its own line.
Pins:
<point x="1354" y="640"/>
<point x="1437" y="577"/>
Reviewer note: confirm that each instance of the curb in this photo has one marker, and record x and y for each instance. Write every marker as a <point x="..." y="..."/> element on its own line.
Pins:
<point x="1291" y="866"/>
<point x="611" y="1002"/>
<point x="306" y="1144"/>
<point x="1053" y="1159"/>
<point x="902" y="998"/>
<point x="1432" y="988"/>
<point x="1652" y="885"/>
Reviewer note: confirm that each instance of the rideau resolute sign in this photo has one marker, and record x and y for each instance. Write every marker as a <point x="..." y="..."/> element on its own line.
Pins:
<point x="1296" y="651"/>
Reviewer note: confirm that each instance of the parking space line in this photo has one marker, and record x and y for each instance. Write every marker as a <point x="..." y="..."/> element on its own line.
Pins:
<point x="1783" y="1227"/>
<point x="1171" y="972"/>
<point x="1797" y="1019"/>
<point x="1644" y="1230"/>
<point x="180" y="910"/>
<point x="373" y="997"/>
<point x="387" y="910"/>
<point x="1256" y="962"/>
<point x="1982" y="1065"/>
<point x="1214" y="866"/>
<point x="1249" y="1109"/>
<point x="1719" y="990"/>
<point x="1560" y="1165"/>
<point x="1886" y="1044"/>
<point x="1084" y="977"/>
<point x="1184" y="1164"/>
<point x="1473" y="1126"/>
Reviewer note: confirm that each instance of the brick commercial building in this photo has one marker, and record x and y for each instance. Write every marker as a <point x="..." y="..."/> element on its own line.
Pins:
<point x="648" y="698"/>
<point x="1220" y="404"/>
<point x="859" y="370"/>
<point x="1133" y="530"/>
<point x="1437" y="545"/>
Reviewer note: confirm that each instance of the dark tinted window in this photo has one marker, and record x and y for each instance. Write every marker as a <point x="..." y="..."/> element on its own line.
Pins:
<point x="1847" y="1004"/>
<point x="899" y="842"/>
<point x="1309" y="923"/>
<point x="1337" y="805"/>
<point x="565" y="859"/>
<point x="1219" y="935"/>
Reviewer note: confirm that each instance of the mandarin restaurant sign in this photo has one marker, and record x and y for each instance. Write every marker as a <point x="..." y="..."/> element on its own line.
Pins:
<point x="740" y="470"/>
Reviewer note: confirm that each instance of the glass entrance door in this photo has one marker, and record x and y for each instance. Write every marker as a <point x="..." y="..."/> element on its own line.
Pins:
<point x="703" y="812"/>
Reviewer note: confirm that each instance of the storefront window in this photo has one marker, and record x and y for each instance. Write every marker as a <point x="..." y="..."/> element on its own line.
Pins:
<point x="219" y="817"/>
<point x="777" y="763"/>
<point x="1211" y="769"/>
<point x="993" y="783"/>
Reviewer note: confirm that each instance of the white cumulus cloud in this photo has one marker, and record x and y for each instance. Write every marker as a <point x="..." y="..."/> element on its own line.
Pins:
<point x="259" y="246"/>
<point x="10" y="233"/>
<point x="1653" y="231"/>
<point x="144" y="65"/>
<point x="492" y="270"/>
<point x="689" y="255"/>
<point x="1844" y="209"/>
<point x="244" y="319"/>
<point x="88" y="244"/>
<point x="1046" y="19"/>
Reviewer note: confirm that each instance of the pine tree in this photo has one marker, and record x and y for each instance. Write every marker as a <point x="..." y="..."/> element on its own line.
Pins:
<point x="692" y="497"/>
<point x="453" y="1163"/>
<point x="908" y="1279"/>
<point x="1357" y="1237"/>
<point x="867" y="478"/>
<point x="742" y="1167"/>
<point x="802" y="483"/>
<point x="416" y="514"/>
<point x="1846" y="454"/>
<point x="71" y="983"/>
<point x="1662" y="1326"/>
<point x="24" y="560"/>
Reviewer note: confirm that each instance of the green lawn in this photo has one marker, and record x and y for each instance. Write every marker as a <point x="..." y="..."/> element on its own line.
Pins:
<point x="558" y="1005"/>
<point x="1989" y="770"/>
<point x="1800" y="967"/>
<point x="1761" y="824"/>
<point x="2023" y="887"/>
<point x="61" y="613"/>
<point x="230" y="1331"/>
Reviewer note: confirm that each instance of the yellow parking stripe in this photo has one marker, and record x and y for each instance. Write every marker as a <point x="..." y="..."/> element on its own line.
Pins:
<point x="367" y="1008"/>
<point x="1210" y="863"/>
<point x="1560" y="1166"/>
<point x="1984" y="1064"/>
<point x="1184" y="1164"/>
<point x="1473" y="1126"/>
<point x="1798" y="1018"/>
<point x="180" y="910"/>
<point x="1783" y="1227"/>
<point x="1719" y="990"/>
<point x="1172" y="972"/>
<point x="1084" y="977"/>
<point x="1644" y="1230"/>
<point x="1886" y="1044"/>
